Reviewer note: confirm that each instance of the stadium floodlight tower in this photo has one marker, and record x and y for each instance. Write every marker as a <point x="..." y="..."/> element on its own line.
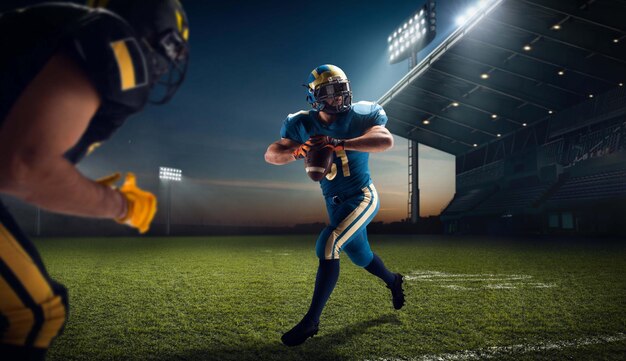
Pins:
<point x="169" y="175"/>
<point x="413" y="35"/>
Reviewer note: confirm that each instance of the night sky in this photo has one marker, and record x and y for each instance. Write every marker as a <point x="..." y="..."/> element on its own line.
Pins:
<point x="248" y="63"/>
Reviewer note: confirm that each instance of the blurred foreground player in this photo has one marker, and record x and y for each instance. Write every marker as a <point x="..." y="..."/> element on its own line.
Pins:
<point x="353" y="130"/>
<point x="69" y="77"/>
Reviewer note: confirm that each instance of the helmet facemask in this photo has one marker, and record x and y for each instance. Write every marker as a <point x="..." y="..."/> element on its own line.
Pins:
<point x="170" y="60"/>
<point x="163" y="29"/>
<point x="334" y="96"/>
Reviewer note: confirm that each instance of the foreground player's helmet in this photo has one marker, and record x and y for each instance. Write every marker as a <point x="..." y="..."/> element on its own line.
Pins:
<point x="163" y="30"/>
<point x="327" y="83"/>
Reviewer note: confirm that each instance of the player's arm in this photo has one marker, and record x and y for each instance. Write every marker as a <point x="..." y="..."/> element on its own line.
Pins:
<point x="375" y="139"/>
<point x="48" y="118"/>
<point x="281" y="152"/>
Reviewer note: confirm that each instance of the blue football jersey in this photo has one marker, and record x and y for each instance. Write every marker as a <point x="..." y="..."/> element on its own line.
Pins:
<point x="350" y="169"/>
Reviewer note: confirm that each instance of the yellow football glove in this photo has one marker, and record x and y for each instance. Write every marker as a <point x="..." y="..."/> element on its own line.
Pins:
<point x="141" y="205"/>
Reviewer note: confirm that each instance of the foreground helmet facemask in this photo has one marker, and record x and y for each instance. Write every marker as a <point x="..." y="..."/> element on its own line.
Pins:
<point x="328" y="90"/>
<point x="162" y="27"/>
<point x="170" y="60"/>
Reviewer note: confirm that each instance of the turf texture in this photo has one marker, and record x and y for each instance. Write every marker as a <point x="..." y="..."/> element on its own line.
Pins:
<point x="231" y="298"/>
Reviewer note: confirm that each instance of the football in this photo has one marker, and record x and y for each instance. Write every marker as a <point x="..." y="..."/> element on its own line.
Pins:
<point x="318" y="161"/>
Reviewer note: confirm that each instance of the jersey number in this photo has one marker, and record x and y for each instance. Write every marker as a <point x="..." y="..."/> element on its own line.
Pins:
<point x="344" y="166"/>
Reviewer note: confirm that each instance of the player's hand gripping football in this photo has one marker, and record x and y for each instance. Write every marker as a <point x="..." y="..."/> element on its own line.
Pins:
<point x="303" y="149"/>
<point x="326" y="141"/>
<point x="317" y="142"/>
<point x="141" y="205"/>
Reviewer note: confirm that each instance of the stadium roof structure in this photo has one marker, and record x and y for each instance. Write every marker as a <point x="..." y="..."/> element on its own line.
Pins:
<point x="514" y="63"/>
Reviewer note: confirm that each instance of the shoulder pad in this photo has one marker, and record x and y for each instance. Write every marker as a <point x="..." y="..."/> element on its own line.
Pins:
<point x="295" y="126"/>
<point x="298" y="114"/>
<point x="297" y="118"/>
<point x="106" y="47"/>
<point x="366" y="108"/>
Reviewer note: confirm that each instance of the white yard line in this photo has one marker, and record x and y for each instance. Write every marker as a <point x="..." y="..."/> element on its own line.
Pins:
<point x="458" y="288"/>
<point x="499" y="351"/>
<point x="493" y="281"/>
<point x="541" y="285"/>
<point x="500" y="286"/>
<point x="487" y="279"/>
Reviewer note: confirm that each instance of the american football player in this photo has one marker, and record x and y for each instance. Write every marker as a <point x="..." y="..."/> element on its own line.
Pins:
<point x="354" y="131"/>
<point x="70" y="75"/>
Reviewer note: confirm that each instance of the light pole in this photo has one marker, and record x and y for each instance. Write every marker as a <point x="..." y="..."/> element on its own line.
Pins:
<point x="411" y="36"/>
<point x="169" y="175"/>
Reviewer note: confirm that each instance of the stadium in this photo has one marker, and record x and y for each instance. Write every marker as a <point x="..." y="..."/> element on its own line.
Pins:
<point x="531" y="112"/>
<point x="525" y="261"/>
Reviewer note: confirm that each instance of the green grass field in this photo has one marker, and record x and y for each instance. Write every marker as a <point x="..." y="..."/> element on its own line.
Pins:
<point x="231" y="298"/>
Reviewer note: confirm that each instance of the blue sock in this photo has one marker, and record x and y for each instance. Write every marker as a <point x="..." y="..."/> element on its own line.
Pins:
<point x="327" y="275"/>
<point x="378" y="269"/>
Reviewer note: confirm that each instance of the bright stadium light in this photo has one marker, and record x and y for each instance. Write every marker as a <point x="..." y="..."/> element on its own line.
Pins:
<point x="169" y="175"/>
<point x="417" y="31"/>
<point x="471" y="11"/>
<point x="462" y="19"/>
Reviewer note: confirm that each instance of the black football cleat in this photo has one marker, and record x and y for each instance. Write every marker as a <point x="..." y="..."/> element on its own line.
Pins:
<point x="300" y="332"/>
<point x="397" y="293"/>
